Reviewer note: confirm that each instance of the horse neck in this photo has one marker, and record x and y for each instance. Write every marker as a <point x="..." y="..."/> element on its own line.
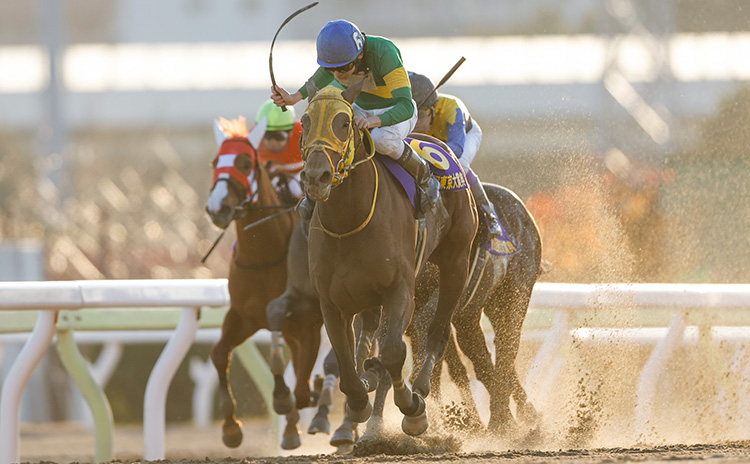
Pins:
<point x="264" y="241"/>
<point x="353" y="196"/>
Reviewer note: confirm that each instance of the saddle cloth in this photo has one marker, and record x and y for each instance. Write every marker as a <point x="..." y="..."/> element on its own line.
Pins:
<point x="444" y="165"/>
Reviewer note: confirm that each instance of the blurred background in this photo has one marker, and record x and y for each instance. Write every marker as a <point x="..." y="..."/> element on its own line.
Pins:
<point x="623" y="124"/>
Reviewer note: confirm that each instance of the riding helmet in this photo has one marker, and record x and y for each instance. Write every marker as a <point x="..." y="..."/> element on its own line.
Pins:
<point x="422" y="88"/>
<point x="339" y="42"/>
<point x="276" y="118"/>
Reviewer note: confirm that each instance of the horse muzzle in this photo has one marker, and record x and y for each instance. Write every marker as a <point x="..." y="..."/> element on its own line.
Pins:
<point x="317" y="178"/>
<point x="221" y="218"/>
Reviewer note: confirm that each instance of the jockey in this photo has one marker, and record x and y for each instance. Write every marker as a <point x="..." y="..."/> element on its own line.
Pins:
<point x="279" y="149"/>
<point x="445" y="117"/>
<point x="384" y="106"/>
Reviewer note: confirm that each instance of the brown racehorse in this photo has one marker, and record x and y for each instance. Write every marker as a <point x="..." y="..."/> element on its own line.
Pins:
<point x="362" y="254"/>
<point x="500" y="287"/>
<point x="243" y="193"/>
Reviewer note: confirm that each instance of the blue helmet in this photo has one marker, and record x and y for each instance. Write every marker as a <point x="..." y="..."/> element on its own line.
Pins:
<point x="339" y="42"/>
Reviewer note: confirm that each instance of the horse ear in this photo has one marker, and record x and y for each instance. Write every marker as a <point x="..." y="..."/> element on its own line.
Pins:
<point x="219" y="133"/>
<point x="256" y="135"/>
<point x="312" y="89"/>
<point x="352" y="92"/>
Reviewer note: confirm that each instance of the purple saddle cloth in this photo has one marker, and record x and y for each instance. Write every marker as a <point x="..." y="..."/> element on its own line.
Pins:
<point x="444" y="165"/>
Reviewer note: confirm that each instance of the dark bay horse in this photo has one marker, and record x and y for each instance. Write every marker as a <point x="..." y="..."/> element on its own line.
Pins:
<point x="362" y="254"/>
<point x="242" y="192"/>
<point x="500" y="287"/>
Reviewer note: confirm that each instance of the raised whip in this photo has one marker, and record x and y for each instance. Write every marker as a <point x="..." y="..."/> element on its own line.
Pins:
<point x="270" y="55"/>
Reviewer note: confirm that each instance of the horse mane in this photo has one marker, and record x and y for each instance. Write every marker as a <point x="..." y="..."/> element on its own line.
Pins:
<point x="234" y="128"/>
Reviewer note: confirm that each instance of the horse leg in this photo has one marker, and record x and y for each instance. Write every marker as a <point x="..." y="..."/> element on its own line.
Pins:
<point x="452" y="283"/>
<point x="305" y="348"/>
<point x="290" y="439"/>
<point x="320" y="423"/>
<point x="460" y="378"/>
<point x="506" y="309"/>
<point x="235" y="330"/>
<point x="276" y="313"/>
<point x="341" y="335"/>
<point x="397" y="313"/>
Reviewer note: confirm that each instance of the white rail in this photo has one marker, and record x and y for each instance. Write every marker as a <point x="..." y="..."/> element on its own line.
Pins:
<point x="50" y="297"/>
<point x="555" y="305"/>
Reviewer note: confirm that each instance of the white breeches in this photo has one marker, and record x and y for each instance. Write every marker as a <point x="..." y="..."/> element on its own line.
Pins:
<point x="389" y="140"/>
<point x="471" y="145"/>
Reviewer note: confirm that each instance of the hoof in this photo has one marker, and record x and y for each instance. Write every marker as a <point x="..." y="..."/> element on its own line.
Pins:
<point x="360" y="415"/>
<point x="231" y="434"/>
<point x="319" y="424"/>
<point x="345" y="449"/>
<point x="290" y="441"/>
<point x="283" y="405"/>
<point x="342" y="437"/>
<point x="415" y="426"/>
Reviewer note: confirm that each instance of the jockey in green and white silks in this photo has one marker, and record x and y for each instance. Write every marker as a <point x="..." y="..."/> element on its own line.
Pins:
<point x="385" y="105"/>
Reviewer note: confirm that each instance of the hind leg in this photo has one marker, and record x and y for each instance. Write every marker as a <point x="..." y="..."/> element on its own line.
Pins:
<point x="302" y="331"/>
<point x="290" y="439"/>
<point x="320" y="423"/>
<point x="277" y="312"/>
<point x="460" y="378"/>
<point x="234" y="331"/>
<point x="506" y="310"/>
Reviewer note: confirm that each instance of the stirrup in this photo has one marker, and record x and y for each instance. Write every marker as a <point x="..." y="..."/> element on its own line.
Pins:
<point x="431" y="189"/>
<point x="493" y="226"/>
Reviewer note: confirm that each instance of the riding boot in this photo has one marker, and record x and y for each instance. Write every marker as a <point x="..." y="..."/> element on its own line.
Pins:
<point x="493" y="224"/>
<point x="420" y="170"/>
<point x="305" y="208"/>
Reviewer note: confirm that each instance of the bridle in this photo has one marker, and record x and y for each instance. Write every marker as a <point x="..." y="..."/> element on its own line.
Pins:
<point x="326" y="142"/>
<point x="323" y="140"/>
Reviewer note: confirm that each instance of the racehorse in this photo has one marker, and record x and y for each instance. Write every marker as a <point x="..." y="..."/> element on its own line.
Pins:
<point x="362" y="253"/>
<point x="501" y="286"/>
<point x="242" y="192"/>
<point x="502" y="278"/>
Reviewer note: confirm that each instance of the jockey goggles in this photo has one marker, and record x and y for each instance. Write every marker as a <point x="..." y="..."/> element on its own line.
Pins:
<point x="343" y="68"/>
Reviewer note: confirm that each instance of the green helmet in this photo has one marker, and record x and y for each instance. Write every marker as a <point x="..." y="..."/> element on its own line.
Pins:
<point x="276" y="118"/>
<point x="422" y="88"/>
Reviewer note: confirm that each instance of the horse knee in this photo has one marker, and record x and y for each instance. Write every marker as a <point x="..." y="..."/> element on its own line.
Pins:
<point x="276" y="313"/>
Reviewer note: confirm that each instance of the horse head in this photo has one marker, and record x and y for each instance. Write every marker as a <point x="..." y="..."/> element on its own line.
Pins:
<point x="235" y="170"/>
<point x="330" y="138"/>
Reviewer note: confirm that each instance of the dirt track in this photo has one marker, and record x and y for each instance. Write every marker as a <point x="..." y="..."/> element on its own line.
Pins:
<point x="64" y="443"/>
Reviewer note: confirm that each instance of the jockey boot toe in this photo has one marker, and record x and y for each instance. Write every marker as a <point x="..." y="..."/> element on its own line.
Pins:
<point x="494" y="227"/>
<point x="305" y="208"/>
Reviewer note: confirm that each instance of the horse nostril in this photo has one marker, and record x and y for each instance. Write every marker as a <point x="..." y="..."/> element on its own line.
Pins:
<point x="225" y="210"/>
<point x="326" y="178"/>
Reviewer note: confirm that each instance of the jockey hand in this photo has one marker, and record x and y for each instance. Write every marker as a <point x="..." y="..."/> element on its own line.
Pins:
<point x="368" y="123"/>
<point x="282" y="98"/>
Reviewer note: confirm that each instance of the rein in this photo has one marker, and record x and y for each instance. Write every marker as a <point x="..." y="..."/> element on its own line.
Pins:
<point x="367" y="219"/>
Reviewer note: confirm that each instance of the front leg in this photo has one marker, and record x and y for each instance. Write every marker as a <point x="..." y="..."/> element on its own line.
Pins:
<point x="341" y="335"/>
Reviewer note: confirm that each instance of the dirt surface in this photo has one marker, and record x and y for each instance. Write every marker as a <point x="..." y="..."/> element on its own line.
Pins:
<point x="67" y="443"/>
<point x="587" y="414"/>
